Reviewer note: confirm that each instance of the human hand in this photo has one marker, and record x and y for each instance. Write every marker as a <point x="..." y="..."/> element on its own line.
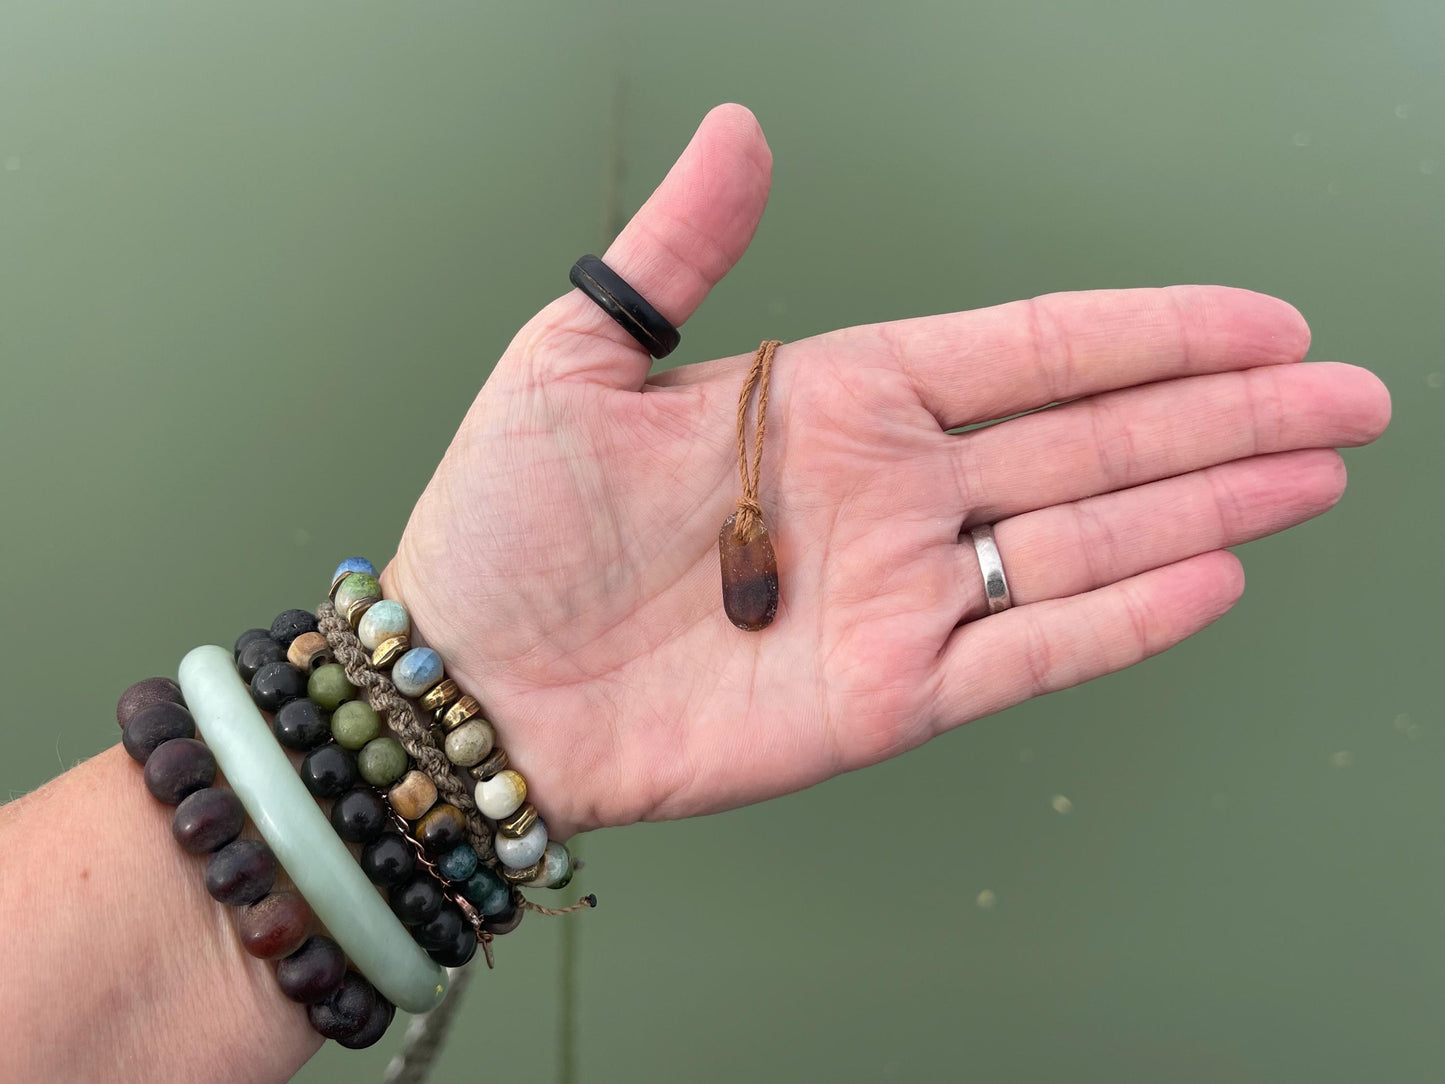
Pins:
<point x="563" y="559"/>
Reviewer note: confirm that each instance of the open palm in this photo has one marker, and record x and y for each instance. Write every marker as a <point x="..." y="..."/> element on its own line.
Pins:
<point x="564" y="557"/>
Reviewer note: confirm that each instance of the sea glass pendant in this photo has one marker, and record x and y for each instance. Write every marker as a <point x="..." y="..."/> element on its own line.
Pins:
<point x="749" y="575"/>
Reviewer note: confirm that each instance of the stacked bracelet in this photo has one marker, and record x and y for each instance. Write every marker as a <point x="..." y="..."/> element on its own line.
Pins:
<point x="431" y="873"/>
<point x="524" y="854"/>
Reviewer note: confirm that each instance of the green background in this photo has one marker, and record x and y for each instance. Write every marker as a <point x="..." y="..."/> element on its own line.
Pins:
<point x="232" y="235"/>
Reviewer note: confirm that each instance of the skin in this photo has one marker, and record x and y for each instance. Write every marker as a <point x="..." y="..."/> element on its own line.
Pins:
<point x="563" y="561"/>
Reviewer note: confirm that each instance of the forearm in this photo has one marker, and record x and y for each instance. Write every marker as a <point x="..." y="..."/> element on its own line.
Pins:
<point x="116" y="955"/>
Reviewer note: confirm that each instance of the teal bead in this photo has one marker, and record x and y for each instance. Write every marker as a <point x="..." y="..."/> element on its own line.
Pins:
<point x="358" y="587"/>
<point x="354" y="724"/>
<point x="383" y="621"/>
<point x="329" y="687"/>
<point x="382" y="762"/>
<point x="487" y="892"/>
<point x="459" y="863"/>
<point x="417" y="671"/>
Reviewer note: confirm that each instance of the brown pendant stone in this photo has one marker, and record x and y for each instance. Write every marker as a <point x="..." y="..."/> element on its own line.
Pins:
<point x="749" y="576"/>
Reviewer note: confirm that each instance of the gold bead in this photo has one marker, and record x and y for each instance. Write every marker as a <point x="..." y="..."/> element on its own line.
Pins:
<point x="519" y="876"/>
<point x="440" y="696"/>
<point x="519" y="823"/>
<point x="388" y="651"/>
<point x="464" y="709"/>
<point x="308" y="651"/>
<point x="496" y="762"/>
<point x="340" y="576"/>
<point x="357" y="610"/>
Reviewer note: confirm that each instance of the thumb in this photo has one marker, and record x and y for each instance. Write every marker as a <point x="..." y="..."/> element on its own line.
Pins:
<point x="683" y="240"/>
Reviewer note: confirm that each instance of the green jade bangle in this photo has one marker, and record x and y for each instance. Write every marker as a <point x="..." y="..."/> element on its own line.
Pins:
<point x="301" y="837"/>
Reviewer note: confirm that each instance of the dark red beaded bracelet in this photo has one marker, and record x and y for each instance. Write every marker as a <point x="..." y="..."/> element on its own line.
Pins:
<point x="157" y="731"/>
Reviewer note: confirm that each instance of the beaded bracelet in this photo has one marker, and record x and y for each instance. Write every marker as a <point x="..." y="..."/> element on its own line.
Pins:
<point x="443" y="901"/>
<point x="158" y="731"/>
<point x="524" y="853"/>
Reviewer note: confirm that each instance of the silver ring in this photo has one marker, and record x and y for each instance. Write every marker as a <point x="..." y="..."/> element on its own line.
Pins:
<point x="995" y="583"/>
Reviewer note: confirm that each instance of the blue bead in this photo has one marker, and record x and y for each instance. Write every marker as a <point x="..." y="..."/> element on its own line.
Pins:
<point x="417" y="671"/>
<point x="354" y="564"/>
<point x="459" y="863"/>
<point x="487" y="892"/>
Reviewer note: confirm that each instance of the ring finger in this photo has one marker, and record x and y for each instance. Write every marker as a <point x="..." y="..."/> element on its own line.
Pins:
<point x="1072" y="548"/>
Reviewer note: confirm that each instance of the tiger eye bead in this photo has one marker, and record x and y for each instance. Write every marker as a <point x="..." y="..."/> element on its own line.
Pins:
<point x="463" y="711"/>
<point x="386" y="619"/>
<point x="274" y="925"/>
<point x="308" y="651"/>
<point x="519" y="823"/>
<point x="470" y="742"/>
<point x="412" y="795"/>
<point x="502" y="795"/>
<point x="442" y="828"/>
<point x="388" y="651"/>
<point x="143" y="694"/>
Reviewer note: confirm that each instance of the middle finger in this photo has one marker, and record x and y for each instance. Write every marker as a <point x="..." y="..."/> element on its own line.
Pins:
<point x="1125" y="438"/>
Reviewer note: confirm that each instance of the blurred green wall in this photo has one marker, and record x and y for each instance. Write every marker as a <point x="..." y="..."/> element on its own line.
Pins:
<point x="231" y="234"/>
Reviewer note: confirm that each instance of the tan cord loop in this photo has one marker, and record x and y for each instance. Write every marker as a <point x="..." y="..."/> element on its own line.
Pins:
<point x="749" y="511"/>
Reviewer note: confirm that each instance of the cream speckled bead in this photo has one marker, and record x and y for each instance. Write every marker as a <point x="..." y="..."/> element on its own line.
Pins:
<point x="521" y="853"/>
<point x="556" y="868"/>
<point x="469" y="743"/>
<point x="502" y="795"/>
<point x="385" y="619"/>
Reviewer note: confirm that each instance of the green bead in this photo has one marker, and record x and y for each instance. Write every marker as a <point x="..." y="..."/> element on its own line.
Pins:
<point x="354" y="724"/>
<point x="358" y="587"/>
<point x="382" y="762"/>
<point x="328" y="686"/>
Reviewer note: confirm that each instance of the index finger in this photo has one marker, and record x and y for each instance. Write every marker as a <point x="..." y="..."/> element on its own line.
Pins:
<point x="990" y="363"/>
